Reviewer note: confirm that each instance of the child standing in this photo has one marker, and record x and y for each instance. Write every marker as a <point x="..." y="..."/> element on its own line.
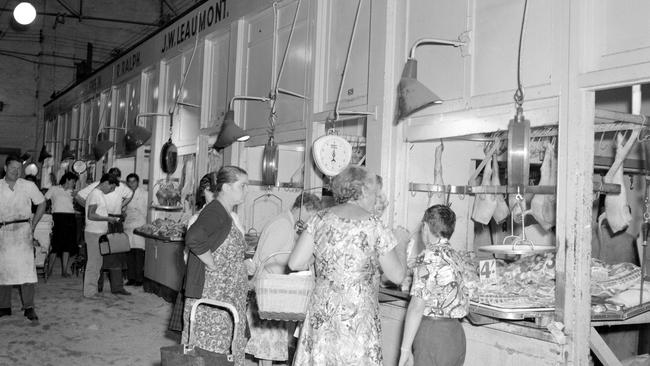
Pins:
<point x="440" y="295"/>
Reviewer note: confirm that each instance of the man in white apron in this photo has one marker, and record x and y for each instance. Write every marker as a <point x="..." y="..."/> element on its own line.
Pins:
<point x="16" y="234"/>
<point x="136" y="216"/>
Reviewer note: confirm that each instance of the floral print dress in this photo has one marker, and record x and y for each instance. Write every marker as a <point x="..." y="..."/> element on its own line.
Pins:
<point x="342" y="324"/>
<point x="213" y="327"/>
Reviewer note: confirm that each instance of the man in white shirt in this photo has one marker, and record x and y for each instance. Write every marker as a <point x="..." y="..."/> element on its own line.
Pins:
<point x="17" y="265"/>
<point x="136" y="216"/>
<point x="116" y="200"/>
<point x="97" y="219"/>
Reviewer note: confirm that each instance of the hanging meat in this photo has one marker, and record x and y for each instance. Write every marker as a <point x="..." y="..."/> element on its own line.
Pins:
<point x="543" y="205"/>
<point x="485" y="204"/>
<point x="438" y="198"/>
<point x="501" y="211"/>
<point x="617" y="210"/>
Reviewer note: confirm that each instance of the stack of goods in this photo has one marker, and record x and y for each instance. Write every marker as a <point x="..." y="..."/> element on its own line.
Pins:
<point x="168" y="194"/>
<point x="526" y="283"/>
<point x="164" y="229"/>
<point x="530" y="282"/>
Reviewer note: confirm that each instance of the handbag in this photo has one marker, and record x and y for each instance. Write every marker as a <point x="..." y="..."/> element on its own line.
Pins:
<point x="188" y="355"/>
<point x="114" y="243"/>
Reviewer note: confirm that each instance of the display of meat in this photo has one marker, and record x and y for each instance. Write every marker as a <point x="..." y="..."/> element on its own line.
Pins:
<point x="617" y="211"/>
<point x="502" y="211"/>
<point x="438" y="198"/>
<point x="542" y="206"/>
<point x="485" y="204"/>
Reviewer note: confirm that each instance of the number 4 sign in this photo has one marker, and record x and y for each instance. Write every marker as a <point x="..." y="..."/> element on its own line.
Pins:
<point x="488" y="271"/>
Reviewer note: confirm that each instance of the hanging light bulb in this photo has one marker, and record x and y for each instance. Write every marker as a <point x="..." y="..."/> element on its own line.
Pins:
<point x="24" y="13"/>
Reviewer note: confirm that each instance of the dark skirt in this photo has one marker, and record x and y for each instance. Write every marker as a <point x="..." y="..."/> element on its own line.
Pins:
<point x="64" y="233"/>
<point x="439" y="342"/>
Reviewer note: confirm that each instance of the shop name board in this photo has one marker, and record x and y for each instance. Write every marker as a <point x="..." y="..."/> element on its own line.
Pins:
<point x="196" y="23"/>
<point x="128" y="64"/>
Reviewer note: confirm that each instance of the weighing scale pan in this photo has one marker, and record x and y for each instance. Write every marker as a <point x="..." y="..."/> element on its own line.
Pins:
<point x="517" y="249"/>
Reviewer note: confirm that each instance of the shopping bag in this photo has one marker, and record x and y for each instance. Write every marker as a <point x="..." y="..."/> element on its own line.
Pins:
<point x="114" y="243"/>
<point x="188" y="355"/>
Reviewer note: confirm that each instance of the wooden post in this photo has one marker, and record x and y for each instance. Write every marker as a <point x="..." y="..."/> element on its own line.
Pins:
<point x="574" y="189"/>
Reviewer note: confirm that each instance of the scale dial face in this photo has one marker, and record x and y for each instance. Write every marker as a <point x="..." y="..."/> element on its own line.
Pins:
<point x="332" y="154"/>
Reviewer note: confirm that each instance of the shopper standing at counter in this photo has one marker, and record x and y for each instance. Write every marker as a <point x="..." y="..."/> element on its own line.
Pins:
<point x="270" y="338"/>
<point x="440" y="296"/>
<point x="215" y="267"/>
<point x="349" y="245"/>
<point x="64" y="232"/>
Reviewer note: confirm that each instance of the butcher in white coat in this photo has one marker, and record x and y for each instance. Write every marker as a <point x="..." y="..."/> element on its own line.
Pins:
<point x="16" y="236"/>
<point x="136" y="216"/>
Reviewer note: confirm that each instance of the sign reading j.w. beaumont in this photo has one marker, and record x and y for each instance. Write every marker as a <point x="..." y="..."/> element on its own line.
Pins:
<point x="197" y="22"/>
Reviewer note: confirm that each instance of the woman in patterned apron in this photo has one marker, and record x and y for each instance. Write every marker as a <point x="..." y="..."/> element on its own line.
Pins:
<point x="215" y="268"/>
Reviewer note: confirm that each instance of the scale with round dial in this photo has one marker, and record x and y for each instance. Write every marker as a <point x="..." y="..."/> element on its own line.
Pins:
<point x="332" y="153"/>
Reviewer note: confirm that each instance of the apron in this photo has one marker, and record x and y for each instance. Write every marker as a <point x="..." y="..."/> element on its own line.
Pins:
<point x="16" y="249"/>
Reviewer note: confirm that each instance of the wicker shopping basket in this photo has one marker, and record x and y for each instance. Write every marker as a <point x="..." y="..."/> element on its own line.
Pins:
<point x="281" y="296"/>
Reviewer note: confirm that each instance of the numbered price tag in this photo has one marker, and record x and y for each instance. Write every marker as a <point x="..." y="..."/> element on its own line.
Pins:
<point x="488" y="271"/>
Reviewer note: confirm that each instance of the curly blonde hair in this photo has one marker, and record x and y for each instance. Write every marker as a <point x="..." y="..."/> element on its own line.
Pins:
<point x="349" y="184"/>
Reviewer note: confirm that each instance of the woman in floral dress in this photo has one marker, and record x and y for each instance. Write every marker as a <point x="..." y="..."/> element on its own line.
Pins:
<point x="349" y="245"/>
<point x="216" y="270"/>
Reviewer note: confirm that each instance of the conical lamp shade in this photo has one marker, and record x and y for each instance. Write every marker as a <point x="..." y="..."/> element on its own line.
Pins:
<point x="43" y="155"/>
<point x="101" y="148"/>
<point x="413" y="96"/>
<point x="136" y="137"/>
<point x="230" y="132"/>
<point x="66" y="154"/>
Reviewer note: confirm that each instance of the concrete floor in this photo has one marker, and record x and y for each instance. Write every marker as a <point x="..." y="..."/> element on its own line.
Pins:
<point x="72" y="330"/>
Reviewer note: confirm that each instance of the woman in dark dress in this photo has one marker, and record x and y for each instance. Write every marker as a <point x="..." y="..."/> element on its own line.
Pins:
<point x="64" y="232"/>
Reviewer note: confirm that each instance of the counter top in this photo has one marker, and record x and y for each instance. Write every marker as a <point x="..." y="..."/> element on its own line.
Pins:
<point x="157" y="237"/>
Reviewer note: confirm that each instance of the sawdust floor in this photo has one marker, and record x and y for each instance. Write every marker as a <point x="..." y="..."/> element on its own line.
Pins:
<point x="72" y="330"/>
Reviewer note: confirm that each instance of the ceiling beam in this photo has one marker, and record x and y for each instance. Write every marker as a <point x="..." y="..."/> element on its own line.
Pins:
<point x="92" y="18"/>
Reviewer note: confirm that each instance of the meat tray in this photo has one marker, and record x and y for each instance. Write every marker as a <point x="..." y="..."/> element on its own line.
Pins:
<point x="509" y="313"/>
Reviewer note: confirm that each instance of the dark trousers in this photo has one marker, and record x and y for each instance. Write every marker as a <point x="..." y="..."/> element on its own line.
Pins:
<point x="135" y="264"/>
<point x="27" y="291"/>
<point x="439" y="342"/>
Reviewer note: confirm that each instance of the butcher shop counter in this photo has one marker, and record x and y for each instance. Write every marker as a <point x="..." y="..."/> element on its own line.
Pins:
<point x="164" y="266"/>
<point x="489" y="341"/>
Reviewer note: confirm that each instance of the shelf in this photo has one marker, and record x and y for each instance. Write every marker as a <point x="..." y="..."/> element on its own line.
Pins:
<point x="469" y="190"/>
<point x="167" y="208"/>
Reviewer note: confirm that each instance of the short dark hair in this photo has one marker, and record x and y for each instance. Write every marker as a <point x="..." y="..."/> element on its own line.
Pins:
<point x="68" y="176"/>
<point x="308" y="201"/>
<point x="228" y="174"/>
<point x="115" y="171"/>
<point x="209" y="182"/>
<point x="110" y="178"/>
<point x="132" y="176"/>
<point x="12" y="157"/>
<point x="441" y="220"/>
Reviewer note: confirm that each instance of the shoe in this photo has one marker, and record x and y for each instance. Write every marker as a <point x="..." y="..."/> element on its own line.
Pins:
<point x="31" y="314"/>
<point x="121" y="292"/>
<point x="5" y="312"/>
<point x="131" y="283"/>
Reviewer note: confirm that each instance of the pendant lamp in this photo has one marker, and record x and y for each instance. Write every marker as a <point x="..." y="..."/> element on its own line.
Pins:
<point x="67" y="154"/>
<point x="412" y="95"/>
<point x="101" y="148"/>
<point x="136" y="137"/>
<point x="230" y="132"/>
<point x="43" y="155"/>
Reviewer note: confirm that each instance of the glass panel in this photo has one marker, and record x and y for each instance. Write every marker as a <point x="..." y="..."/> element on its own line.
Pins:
<point x="173" y="80"/>
<point x="120" y="120"/>
<point x="74" y="131"/>
<point x="150" y="98"/>
<point x="84" y="128"/>
<point x="94" y="119"/>
<point x="218" y="73"/>
<point x="104" y="112"/>
<point x="193" y="59"/>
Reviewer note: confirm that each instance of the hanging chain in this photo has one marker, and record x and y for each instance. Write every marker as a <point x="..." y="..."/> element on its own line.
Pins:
<point x="519" y="94"/>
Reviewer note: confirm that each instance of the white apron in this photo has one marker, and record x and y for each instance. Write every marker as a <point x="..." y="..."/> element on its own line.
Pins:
<point x="16" y="248"/>
<point x="17" y="255"/>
